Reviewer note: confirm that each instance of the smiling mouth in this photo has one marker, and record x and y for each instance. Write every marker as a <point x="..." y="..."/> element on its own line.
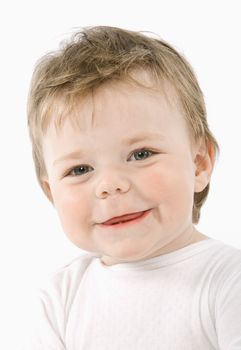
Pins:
<point x="126" y="219"/>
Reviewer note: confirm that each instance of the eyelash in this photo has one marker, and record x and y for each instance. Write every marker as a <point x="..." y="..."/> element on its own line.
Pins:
<point x="84" y="166"/>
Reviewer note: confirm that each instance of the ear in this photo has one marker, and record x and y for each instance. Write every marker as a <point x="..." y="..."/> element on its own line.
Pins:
<point x="204" y="163"/>
<point x="47" y="190"/>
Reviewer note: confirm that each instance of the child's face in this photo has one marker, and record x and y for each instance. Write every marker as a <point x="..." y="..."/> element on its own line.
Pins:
<point x="111" y="178"/>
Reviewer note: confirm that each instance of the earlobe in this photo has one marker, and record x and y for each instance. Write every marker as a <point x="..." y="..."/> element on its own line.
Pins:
<point x="204" y="163"/>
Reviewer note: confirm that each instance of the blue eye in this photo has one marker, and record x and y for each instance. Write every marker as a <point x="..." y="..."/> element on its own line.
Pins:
<point x="142" y="154"/>
<point x="79" y="170"/>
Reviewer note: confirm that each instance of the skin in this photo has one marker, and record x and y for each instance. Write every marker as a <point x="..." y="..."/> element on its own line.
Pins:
<point x="116" y="181"/>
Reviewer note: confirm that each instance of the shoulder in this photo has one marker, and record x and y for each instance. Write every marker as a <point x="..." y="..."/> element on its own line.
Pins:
<point x="50" y="303"/>
<point x="221" y="261"/>
<point x="218" y="263"/>
<point x="230" y="266"/>
<point x="61" y="285"/>
<point x="73" y="269"/>
<point x="223" y="271"/>
<point x="228" y="298"/>
<point x="228" y="259"/>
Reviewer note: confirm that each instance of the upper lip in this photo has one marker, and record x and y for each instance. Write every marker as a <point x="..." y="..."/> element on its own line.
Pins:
<point x="119" y="216"/>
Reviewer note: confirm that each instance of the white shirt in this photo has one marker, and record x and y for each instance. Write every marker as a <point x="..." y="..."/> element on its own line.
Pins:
<point x="189" y="299"/>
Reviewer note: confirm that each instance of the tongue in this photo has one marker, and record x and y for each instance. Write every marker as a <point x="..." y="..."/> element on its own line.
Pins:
<point x="123" y="218"/>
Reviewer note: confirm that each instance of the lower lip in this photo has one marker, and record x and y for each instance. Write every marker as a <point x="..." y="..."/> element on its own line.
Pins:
<point x="127" y="223"/>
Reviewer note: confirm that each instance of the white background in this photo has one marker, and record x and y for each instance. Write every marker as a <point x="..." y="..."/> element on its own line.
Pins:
<point x="32" y="242"/>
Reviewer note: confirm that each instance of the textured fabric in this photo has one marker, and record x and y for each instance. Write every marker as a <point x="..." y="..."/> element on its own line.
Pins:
<point x="189" y="299"/>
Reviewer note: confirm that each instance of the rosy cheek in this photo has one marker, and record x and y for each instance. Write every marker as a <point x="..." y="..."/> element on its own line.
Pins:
<point x="71" y="206"/>
<point x="155" y="185"/>
<point x="166" y="185"/>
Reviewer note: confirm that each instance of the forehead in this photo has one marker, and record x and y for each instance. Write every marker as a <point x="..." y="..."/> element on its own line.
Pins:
<point x="118" y="99"/>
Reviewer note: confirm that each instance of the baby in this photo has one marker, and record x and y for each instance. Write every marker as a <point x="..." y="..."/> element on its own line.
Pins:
<point x="123" y="151"/>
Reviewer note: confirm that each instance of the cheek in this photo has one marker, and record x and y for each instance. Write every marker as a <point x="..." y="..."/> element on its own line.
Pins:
<point x="169" y="185"/>
<point x="159" y="188"/>
<point x="72" y="207"/>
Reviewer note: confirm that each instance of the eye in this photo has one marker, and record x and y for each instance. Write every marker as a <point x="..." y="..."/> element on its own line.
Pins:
<point x="142" y="154"/>
<point x="79" y="170"/>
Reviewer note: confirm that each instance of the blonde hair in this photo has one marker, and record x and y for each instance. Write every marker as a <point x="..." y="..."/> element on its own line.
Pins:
<point x="95" y="55"/>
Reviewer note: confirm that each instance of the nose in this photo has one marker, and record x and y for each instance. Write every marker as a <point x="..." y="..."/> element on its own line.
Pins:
<point x="111" y="185"/>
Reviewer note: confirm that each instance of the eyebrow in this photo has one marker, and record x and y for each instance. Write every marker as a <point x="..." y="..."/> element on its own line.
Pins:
<point x="126" y="142"/>
<point x="141" y="137"/>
